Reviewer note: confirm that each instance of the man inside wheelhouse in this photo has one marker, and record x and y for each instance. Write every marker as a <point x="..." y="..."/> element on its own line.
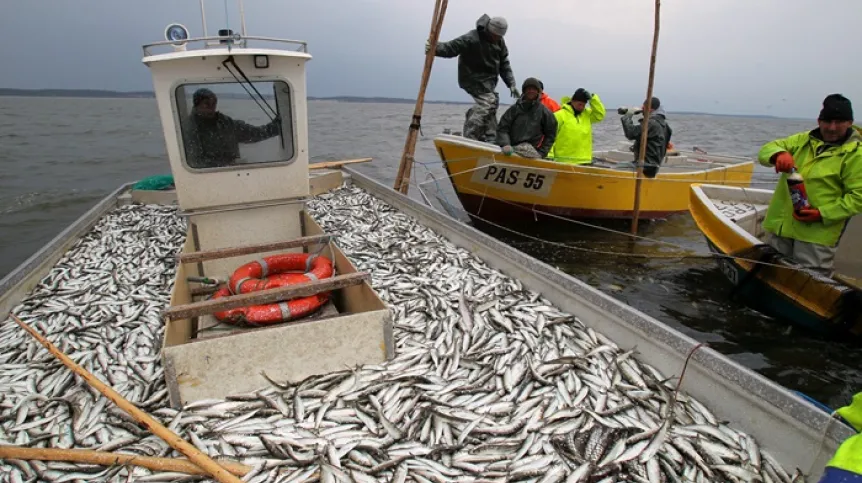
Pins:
<point x="212" y="139"/>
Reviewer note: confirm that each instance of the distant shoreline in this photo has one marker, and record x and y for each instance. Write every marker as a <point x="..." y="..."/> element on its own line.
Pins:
<point x="106" y="94"/>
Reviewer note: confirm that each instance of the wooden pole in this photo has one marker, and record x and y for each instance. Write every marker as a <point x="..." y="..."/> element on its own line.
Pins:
<point x="228" y="252"/>
<point x="105" y="458"/>
<point x="645" y="125"/>
<point x="402" y="179"/>
<point x="335" y="164"/>
<point x="269" y="296"/>
<point x="201" y="460"/>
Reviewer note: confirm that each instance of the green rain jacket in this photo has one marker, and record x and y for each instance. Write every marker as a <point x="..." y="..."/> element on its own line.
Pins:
<point x="833" y="182"/>
<point x="574" y="143"/>
<point x="849" y="454"/>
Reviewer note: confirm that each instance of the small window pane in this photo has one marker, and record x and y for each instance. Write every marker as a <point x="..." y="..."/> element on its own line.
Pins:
<point x="223" y="126"/>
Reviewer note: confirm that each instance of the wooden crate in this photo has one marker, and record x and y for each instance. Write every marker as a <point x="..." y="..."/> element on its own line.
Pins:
<point x="356" y="329"/>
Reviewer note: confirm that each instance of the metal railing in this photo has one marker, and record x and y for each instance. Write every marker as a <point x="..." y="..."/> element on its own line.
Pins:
<point x="232" y="41"/>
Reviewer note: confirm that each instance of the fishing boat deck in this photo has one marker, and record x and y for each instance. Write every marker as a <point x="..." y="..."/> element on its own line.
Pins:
<point x="468" y="336"/>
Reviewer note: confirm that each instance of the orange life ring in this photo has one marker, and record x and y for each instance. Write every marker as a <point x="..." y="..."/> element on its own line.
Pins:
<point x="315" y="267"/>
<point x="271" y="272"/>
<point x="270" y="313"/>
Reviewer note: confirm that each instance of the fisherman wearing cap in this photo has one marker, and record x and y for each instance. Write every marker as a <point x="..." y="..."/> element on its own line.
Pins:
<point x="482" y="58"/>
<point x="211" y="138"/>
<point x="527" y="128"/>
<point x="658" y="137"/>
<point x="829" y="159"/>
<point x="574" y="143"/>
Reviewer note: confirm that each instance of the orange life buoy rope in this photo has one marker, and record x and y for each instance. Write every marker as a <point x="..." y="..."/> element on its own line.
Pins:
<point x="272" y="272"/>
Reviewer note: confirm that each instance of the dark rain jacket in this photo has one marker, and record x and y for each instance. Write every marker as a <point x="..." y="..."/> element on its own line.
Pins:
<point x="658" y="136"/>
<point x="529" y="122"/>
<point x="480" y="60"/>
<point x="212" y="143"/>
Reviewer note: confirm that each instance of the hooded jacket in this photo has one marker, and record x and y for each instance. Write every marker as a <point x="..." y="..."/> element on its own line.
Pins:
<point x="574" y="143"/>
<point x="480" y="61"/>
<point x="658" y="135"/>
<point x="549" y="102"/>
<point x="528" y="122"/>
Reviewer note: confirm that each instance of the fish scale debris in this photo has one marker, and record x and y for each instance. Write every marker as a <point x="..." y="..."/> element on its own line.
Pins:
<point x="490" y="382"/>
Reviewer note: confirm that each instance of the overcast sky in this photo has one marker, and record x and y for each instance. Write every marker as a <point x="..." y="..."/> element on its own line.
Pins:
<point x="777" y="57"/>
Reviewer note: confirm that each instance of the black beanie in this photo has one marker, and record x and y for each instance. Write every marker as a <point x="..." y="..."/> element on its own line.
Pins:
<point x="655" y="103"/>
<point x="836" y="108"/>
<point x="532" y="81"/>
<point x="580" y="95"/>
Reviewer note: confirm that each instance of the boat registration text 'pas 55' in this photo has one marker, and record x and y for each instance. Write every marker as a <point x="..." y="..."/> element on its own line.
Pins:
<point x="511" y="177"/>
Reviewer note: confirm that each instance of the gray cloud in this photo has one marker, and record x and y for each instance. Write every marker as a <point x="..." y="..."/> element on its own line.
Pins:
<point x="734" y="56"/>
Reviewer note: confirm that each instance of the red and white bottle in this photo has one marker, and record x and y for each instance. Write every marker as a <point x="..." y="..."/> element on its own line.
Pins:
<point x="798" y="196"/>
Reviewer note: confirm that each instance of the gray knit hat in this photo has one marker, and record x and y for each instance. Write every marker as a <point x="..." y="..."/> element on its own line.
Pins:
<point x="498" y="26"/>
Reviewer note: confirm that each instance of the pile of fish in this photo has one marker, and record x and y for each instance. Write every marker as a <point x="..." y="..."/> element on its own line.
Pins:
<point x="101" y="304"/>
<point x="490" y="382"/>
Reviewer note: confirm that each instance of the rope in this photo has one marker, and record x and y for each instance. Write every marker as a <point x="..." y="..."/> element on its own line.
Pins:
<point x="710" y="255"/>
<point x="583" y="172"/>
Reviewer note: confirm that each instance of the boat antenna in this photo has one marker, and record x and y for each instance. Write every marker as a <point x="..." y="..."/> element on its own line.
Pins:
<point x="227" y="24"/>
<point x="203" y="18"/>
<point x="242" y="19"/>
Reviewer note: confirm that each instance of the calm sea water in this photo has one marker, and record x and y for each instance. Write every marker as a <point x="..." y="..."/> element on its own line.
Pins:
<point x="60" y="156"/>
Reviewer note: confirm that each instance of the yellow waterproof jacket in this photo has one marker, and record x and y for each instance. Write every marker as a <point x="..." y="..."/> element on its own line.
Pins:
<point x="849" y="454"/>
<point x="833" y="182"/>
<point x="574" y="143"/>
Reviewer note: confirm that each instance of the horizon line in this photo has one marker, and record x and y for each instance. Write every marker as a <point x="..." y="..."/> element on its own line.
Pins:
<point x="108" y="93"/>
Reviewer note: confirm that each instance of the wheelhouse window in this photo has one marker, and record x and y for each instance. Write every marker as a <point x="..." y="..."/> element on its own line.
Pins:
<point x="230" y="124"/>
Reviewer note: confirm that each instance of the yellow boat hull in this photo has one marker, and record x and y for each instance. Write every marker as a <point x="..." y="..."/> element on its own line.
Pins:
<point x="492" y="185"/>
<point x="731" y="221"/>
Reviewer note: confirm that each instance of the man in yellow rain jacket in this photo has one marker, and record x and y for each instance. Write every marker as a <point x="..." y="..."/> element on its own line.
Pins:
<point x="846" y="464"/>
<point x="574" y="143"/>
<point x="829" y="159"/>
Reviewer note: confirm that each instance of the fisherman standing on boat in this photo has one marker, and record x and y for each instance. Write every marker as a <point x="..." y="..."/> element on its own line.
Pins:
<point x="846" y="464"/>
<point x="574" y="143"/>
<point x="527" y="128"/>
<point x="829" y="159"/>
<point x="658" y="137"/>
<point x="482" y="57"/>
<point x="211" y="139"/>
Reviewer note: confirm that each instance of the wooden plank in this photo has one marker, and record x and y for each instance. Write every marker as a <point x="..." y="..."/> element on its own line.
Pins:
<point x="196" y="309"/>
<point x="204" y="290"/>
<point x="335" y="164"/>
<point x="249" y="249"/>
<point x="195" y="455"/>
<point x="105" y="458"/>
